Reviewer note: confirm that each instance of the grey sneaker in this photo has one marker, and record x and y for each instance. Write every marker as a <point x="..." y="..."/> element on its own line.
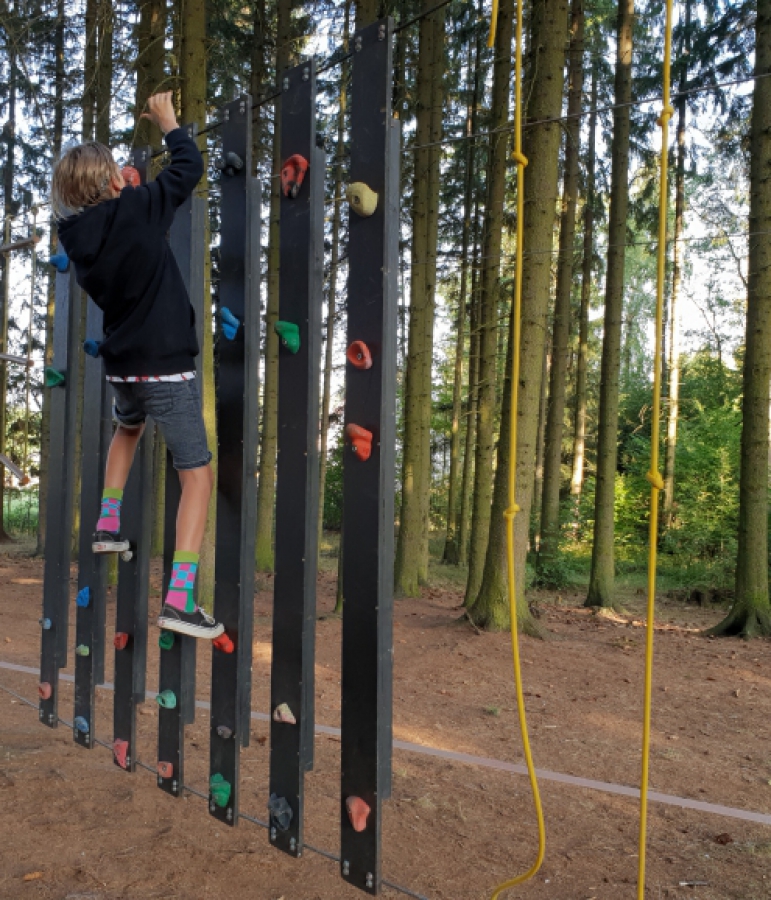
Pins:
<point x="197" y="624"/>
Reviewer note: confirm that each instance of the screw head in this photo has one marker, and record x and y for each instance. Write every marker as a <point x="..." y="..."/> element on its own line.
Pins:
<point x="51" y="718"/>
<point x="212" y="807"/>
<point x="227" y="115"/>
<point x="160" y="780"/>
<point x="369" y="881"/>
<point x="357" y="43"/>
<point x="292" y="845"/>
<point x="174" y="786"/>
<point x="229" y="815"/>
<point x="306" y="73"/>
<point x="381" y="33"/>
<point x="346" y="867"/>
<point x="273" y="834"/>
<point x="286" y="84"/>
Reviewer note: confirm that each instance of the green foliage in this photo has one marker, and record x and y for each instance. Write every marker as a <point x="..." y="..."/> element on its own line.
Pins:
<point x="333" y="493"/>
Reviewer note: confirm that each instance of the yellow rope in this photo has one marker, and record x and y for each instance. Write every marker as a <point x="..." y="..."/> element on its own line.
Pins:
<point x="493" y="24"/>
<point x="513" y="508"/>
<point x="654" y="476"/>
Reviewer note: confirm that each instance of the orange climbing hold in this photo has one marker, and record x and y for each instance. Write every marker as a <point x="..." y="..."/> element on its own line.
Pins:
<point x="165" y="769"/>
<point x="131" y="176"/>
<point x="120" y="640"/>
<point x="45" y="690"/>
<point x="120" y="750"/>
<point x="358" y="355"/>
<point x="293" y="174"/>
<point x="358" y="812"/>
<point x="361" y="441"/>
<point x="224" y="643"/>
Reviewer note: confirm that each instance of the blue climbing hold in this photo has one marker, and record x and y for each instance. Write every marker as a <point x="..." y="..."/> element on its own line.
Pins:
<point x="230" y="323"/>
<point x="60" y="261"/>
<point x="81" y="724"/>
<point x="45" y="624"/>
<point x="91" y="347"/>
<point x="84" y="597"/>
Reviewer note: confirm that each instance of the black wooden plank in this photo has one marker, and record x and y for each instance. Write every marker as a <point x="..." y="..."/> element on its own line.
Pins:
<point x="61" y="476"/>
<point x="294" y="599"/>
<point x="368" y="504"/>
<point x="131" y="605"/>
<point x="177" y="662"/>
<point x="234" y="566"/>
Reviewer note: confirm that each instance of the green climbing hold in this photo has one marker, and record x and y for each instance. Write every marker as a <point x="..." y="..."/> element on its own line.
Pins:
<point x="167" y="699"/>
<point x="54" y="378"/>
<point x="166" y="640"/>
<point x="289" y="334"/>
<point x="82" y="650"/>
<point x="219" y="790"/>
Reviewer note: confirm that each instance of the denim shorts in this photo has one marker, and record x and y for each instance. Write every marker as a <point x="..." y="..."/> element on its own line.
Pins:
<point x="176" y="407"/>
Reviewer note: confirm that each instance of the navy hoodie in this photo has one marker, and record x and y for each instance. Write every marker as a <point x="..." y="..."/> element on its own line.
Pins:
<point x="124" y="263"/>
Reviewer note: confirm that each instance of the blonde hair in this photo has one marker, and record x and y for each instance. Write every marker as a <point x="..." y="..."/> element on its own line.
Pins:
<point x="81" y="178"/>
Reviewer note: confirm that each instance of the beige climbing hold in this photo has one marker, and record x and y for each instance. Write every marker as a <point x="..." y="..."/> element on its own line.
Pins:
<point x="363" y="200"/>
<point x="282" y="713"/>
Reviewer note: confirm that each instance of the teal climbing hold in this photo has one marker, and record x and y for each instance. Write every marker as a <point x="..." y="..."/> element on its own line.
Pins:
<point x="219" y="790"/>
<point x="166" y="640"/>
<point x="167" y="699"/>
<point x="54" y="378"/>
<point x="289" y="334"/>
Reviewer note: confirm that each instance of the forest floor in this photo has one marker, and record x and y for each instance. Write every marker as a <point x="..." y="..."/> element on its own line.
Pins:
<point x="73" y="825"/>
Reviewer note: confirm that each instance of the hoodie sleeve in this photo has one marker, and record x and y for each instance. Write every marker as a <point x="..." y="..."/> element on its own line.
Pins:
<point x="175" y="183"/>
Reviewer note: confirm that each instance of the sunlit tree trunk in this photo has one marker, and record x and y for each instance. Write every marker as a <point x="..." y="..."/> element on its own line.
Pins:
<point x="150" y="67"/>
<point x="579" y="426"/>
<point x="266" y="488"/>
<point x="750" y="614"/>
<point x="488" y="302"/>
<point x="552" y="471"/>
<point x="545" y="66"/>
<point x="601" y="582"/>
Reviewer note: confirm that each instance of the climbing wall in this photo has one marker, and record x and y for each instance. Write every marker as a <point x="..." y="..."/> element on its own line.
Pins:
<point x="368" y="493"/>
<point x="301" y="251"/>
<point x="237" y="361"/>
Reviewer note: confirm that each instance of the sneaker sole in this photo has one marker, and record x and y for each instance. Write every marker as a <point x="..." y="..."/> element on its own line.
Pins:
<point x="107" y="547"/>
<point x="191" y="630"/>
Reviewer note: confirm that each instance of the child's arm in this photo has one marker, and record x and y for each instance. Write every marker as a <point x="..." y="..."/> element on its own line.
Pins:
<point x="177" y="181"/>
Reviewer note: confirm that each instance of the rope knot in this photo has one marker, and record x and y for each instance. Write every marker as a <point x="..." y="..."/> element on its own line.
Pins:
<point x="656" y="480"/>
<point x="519" y="158"/>
<point x="511" y="512"/>
<point x="666" y="115"/>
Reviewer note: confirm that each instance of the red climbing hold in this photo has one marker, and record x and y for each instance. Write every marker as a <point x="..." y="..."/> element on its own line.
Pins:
<point x="358" y="812"/>
<point x="45" y="691"/>
<point x="358" y="355"/>
<point x="224" y="643"/>
<point x="120" y="750"/>
<point x="120" y="640"/>
<point x="293" y="174"/>
<point x="165" y="769"/>
<point x="361" y="440"/>
<point x="131" y="176"/>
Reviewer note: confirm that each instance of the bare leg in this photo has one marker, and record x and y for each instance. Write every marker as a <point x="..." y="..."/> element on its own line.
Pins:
<point x="121" y="455"/>
<point x="193" y="507"/>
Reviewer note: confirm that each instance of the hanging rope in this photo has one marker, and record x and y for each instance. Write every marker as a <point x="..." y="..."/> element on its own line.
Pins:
<point x="513" y="509"/>
<point x="654" y="476"/>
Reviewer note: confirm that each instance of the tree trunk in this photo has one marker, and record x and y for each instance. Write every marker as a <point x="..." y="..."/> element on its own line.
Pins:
<point x="104" y="71"/>
<point x="193" y="43"/>
<point x="367" y="12"/>
<point x="552" y="470"/>
<point x="451" y="547"/>
<point x="541" y="147"/>
<point x="411" y="547"/>
<point x="266" y="487"/>
<point x="149" y="65"/>
<point x="601" y="581"/>
<point x="88" y="101"/>
<point x="333" y="267"/>
<point x="48" y="353"/>
<point x="674" y="325"/>
<point x="579" y="429"/>
<point x="540" y="449"/>
<point x="488" y="302"/>
<point x="750" y="614"/>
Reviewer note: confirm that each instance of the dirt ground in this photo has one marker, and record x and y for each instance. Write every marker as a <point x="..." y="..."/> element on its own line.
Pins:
<point x="75" y="826"/>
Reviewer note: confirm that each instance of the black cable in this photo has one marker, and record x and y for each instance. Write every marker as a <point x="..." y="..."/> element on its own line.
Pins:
<point x="331" y="856"/>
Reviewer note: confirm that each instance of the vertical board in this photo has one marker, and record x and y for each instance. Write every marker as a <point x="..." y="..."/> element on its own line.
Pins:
<point x="131" y="608"/>
<point x="368" y="492"/>
<point x="61" y="477"/>
<point x="92" y="567"/>
<point x="301" y="246"/>
<point x="177" y="663"/>
<point x="237" y="442"/>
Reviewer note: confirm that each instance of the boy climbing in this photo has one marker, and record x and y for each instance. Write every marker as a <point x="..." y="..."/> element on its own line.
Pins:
<point x="116" y="238"/>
